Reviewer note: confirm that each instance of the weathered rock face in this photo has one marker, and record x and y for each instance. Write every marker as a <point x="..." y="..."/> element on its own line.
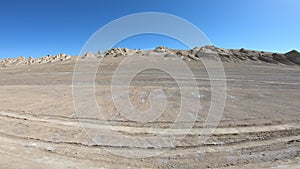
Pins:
<point x="196" y="54"/>
<point x="281" y="59"/>
<point x="293" y="56"/>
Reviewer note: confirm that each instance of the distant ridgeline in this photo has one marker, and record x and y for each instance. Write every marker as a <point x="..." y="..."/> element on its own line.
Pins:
<point x="226" y="55"/>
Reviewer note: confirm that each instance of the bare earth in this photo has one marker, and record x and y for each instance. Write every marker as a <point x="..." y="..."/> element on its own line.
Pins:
<point x="39" y="127"/>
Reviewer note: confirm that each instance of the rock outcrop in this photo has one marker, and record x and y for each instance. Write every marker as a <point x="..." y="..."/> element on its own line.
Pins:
<point x="293" y="56"/>
<point x="23" y="61"/>
<point x="89" y="55"/>
<point x="161" y="49"/>
<point x="115" y="52"/>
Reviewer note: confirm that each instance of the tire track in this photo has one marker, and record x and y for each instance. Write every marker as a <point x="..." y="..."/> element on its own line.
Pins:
<point x="149" y="130"/>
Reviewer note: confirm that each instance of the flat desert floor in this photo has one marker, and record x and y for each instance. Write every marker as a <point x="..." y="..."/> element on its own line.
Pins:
<point x="39" y="127"/>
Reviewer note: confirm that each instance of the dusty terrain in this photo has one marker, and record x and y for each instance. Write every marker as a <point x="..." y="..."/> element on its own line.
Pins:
<point x="39" y="127"/>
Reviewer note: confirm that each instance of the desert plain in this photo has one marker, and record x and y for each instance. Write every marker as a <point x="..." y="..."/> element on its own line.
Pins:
<point x="259" y="128"/>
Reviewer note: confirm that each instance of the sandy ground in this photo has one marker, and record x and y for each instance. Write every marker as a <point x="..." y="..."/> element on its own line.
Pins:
<point x="39" y="127"/>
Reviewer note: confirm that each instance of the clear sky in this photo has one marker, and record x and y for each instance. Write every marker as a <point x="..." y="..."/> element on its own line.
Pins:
<point x="40" y="27"/>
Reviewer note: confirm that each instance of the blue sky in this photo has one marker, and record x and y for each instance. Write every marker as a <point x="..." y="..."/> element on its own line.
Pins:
<point x="39" y="27"/>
